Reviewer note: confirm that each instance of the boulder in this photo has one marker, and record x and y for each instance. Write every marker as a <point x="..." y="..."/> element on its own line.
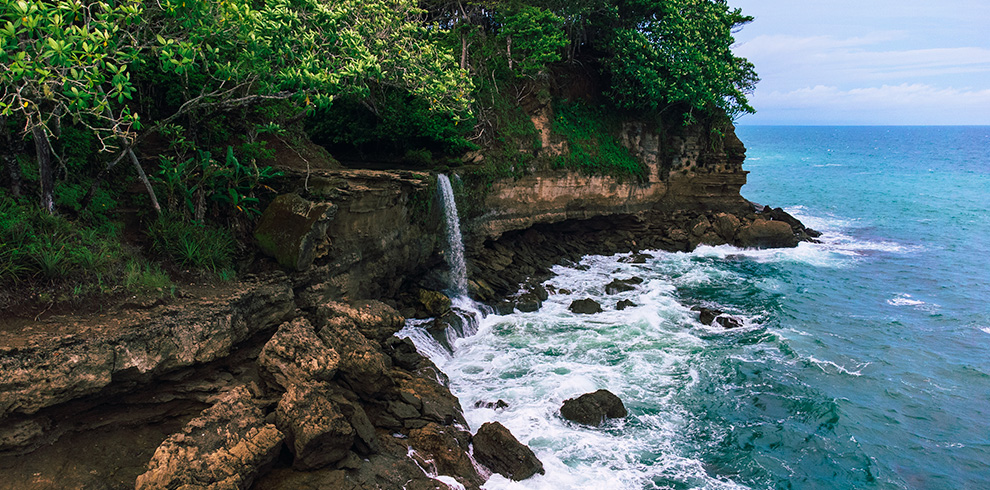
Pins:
<point x="496" y="448"/>
<point x="593" y="408"/>
<point x="726" y="225"/>
<point x="585" y="306"/>
<point x="446" y="448"/>
<point x="707" y="315"/>
<point x="623" y="304"/>
<point x="295" y="354"/>
<point x="294" y="230"/>
<point x="316" y="430"/>
<point x="622" y="285"/>
<point x="226" y="447"/>
<point x="762" y="233"/>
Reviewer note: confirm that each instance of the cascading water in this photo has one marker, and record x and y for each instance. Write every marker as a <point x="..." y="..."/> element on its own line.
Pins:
<point x="455" y="244"/>
<point x="436" y="337"/>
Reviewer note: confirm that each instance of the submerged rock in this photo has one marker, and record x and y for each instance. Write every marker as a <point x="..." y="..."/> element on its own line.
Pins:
<point x="585" y="306"/>
<point x="622" y="285"/>
<point x="496" y="448"/>
<point x="593" y="408"/>
<point x="623" y="304"/>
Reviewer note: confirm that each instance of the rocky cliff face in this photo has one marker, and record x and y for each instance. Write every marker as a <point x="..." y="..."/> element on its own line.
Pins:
<point x="295" y="379"/>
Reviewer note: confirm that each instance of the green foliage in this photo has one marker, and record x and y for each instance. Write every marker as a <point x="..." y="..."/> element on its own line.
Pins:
<point x="533" y="36"/>
<point x="665" y="52"/>
<point x="590" y="133"/>
<point x="51" y="254"/>
<point x="188" y="185"/>
<point x="69" y="58"/>
<point x="193" y="245"/>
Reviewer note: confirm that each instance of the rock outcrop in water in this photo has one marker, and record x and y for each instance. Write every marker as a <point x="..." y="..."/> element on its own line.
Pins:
<point x="593" y="408"/>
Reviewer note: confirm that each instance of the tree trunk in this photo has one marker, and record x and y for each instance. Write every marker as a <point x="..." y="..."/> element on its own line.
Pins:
<point x="44" y="152"/>
<point x="144" y="180"/>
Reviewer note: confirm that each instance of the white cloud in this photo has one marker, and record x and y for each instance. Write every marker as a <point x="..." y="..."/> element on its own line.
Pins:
<point x="886" y="104"/>
<point x="789" y="59"/>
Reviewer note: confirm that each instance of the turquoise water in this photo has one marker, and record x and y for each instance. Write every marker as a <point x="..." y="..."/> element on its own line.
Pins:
<point x="863" y="362"/>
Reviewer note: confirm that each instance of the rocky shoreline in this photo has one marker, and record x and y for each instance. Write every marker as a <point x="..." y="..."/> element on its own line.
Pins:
<point x="293" y="377"/>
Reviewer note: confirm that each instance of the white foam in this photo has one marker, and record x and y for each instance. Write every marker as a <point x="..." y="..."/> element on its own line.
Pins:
<point x="985" y="330"/>
<point x="904" y="300"/>
<point x="829" y="366"/>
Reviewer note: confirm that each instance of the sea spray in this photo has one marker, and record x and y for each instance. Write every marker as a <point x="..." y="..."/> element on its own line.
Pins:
<point x="455" y="243"/>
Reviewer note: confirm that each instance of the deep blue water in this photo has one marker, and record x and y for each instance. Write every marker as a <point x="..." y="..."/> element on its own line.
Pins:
<point x="864" y="361"/>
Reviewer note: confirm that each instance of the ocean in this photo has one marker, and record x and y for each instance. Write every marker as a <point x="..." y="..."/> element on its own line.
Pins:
<point x="863" y="361"/>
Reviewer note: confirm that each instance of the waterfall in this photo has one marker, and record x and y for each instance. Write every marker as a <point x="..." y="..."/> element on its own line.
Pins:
<point x="436" y="337"/>
<point x="455" y="244"/>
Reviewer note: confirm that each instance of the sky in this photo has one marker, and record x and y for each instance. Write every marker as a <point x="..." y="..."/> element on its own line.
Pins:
<point x="868" y="62"/>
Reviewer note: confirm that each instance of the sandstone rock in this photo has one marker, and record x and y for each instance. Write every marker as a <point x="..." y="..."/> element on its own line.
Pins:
<point x="226" y="447"/>
<point x="293" y="230"/>
<point x="593" y="408"/>
<point x="623" y="304"/>
<point x="374" y="319"/>
<point x="726" y="225"/>
<point x="316" y="430"/>
<point x="436" y="303"/>
<point x="622" y="285"/>
<point x="763" y="233"/>
<point x="363" y="365"/>
<point x="585" y="306"/>
<point x="496" y="448"/>
<point x="295" y="354"/>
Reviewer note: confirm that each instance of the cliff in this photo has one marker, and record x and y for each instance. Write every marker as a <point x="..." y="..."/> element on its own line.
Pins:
<point x="295" y="379"/>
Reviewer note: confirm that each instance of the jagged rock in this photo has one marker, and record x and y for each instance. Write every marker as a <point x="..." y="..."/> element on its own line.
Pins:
<point x="403" y="353"/>
<point x="226" y="447"/>
<point x="366" y="441"/>
<point x="295" y="354"/>
<point x="762" y="233"/>
<point x="707" y="315"/>
<point x="480" y="290"/>
<point x="496" y="448"/>
<point x="363" y="365"/>
<point x="622" y="285"/>
<point x="316" y="430"/>
<point x="700" y="226"/>
<point x="593" y="408"/>
<point x="375" y="320"/>
<point x="623" y="304"/>
<point x="447" y="448"/>
<point x="294" y="230"/>
<point x="728" y="321"/>
<point x="435" y="303"/>
<point x="585" y="306"/>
